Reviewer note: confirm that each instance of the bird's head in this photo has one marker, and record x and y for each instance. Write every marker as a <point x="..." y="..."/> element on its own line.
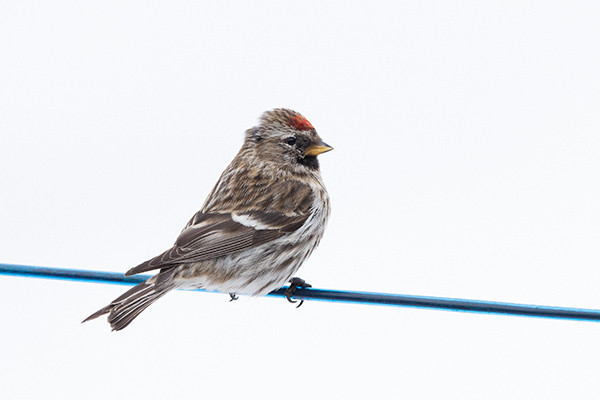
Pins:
<point x="286" y="138"/>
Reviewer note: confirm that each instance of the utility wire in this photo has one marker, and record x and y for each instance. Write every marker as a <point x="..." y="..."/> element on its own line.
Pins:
<point x="440" y="303"/>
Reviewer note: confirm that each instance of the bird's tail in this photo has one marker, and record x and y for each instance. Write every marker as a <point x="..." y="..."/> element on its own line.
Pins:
<point x="122" y="310"/>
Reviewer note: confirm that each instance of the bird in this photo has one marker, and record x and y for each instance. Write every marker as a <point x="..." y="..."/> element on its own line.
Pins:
<point x="261" y="221"/>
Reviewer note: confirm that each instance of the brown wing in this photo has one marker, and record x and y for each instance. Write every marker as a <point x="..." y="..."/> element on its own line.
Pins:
<point x="217" y="234"/>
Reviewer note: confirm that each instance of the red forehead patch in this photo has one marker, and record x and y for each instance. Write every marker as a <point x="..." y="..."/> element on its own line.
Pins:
<point x="300" y="123"/>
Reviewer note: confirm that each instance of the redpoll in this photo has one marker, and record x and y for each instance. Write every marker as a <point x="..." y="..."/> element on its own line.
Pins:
<point x="263" y="218"/>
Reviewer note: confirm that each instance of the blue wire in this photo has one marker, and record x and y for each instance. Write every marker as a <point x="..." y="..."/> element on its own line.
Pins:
<point x="440" y="303"/>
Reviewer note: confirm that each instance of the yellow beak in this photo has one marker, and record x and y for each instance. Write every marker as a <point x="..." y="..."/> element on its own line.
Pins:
<point x="317" y="148"/>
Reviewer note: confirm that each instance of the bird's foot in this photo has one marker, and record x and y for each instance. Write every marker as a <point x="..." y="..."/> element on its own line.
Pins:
<point x="233" y="297"/>
<point x="295" y="284"/>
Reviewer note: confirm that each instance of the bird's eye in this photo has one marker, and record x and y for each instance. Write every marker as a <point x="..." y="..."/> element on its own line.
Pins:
<point x="291" y="140"/>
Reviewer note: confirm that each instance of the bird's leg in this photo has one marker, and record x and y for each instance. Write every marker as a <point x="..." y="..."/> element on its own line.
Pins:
<point x="295" y="283"/>
<point x="233" y="297"/>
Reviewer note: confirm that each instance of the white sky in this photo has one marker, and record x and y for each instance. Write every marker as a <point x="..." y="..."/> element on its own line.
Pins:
<point x="466" y="164"/>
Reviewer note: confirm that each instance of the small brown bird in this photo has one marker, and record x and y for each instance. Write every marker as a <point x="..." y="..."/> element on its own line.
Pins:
<point x="263" y="218"/>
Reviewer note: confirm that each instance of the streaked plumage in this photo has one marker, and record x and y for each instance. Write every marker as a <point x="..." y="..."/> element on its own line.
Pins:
<point x="263" y="218"/>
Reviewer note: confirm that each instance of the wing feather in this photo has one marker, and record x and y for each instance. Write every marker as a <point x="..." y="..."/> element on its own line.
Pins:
<point x="218" y="234"/>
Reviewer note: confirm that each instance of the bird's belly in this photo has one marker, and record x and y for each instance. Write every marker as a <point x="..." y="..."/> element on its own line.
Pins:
<point x="254" y="272"/>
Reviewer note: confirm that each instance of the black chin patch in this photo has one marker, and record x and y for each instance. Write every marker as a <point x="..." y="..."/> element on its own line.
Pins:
<point x="309" y="161"/>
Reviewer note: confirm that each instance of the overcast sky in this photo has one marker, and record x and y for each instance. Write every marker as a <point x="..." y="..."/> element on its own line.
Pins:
<point x="466" y="164"/>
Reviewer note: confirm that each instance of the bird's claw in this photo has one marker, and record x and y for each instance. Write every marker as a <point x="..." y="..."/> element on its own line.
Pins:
<point x="233" y="297"/>
<point x="296" y="283"/>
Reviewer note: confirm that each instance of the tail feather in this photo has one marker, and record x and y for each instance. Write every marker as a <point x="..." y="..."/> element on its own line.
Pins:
<point x="130" y="304"/>
<point x="124" y="316"/>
